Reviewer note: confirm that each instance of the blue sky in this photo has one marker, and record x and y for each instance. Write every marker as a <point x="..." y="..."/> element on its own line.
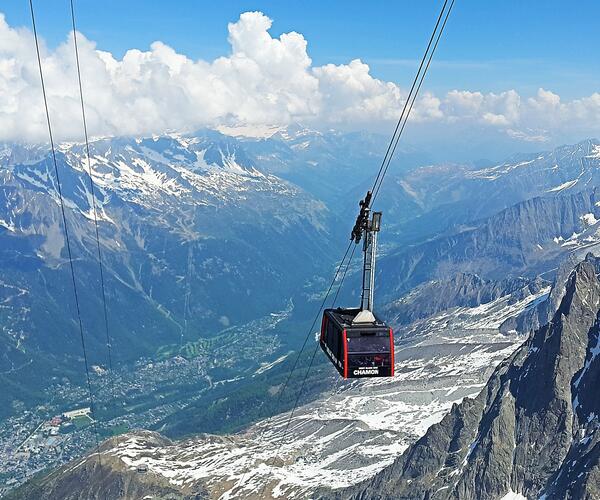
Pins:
<point x="489" y="46"/>
<point x="508" y="76"/>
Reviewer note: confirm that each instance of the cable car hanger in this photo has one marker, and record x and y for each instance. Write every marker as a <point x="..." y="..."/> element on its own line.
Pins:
<point x="368" y="228"/>
<point x="357" y="342"/>
<point x="343" y="331"/>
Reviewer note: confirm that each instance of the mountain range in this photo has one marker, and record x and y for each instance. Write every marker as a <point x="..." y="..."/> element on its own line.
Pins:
<point x="531" y="432"/>
<point x="218" y="241"/>
<point x="194" y="238"/>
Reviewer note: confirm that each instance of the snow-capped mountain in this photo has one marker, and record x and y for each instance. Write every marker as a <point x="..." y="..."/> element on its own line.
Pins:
<point x="461" y="290"/>
<point x="195" y="237"/>
<point x="205" y="231"/>
<point x="532" y="432"/>
<point x="432" y="199"/>
<point x="526" y="239"/>
<point x="357" y="426"/>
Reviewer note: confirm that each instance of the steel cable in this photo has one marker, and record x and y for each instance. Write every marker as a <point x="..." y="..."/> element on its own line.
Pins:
<point x="66" y="231"/>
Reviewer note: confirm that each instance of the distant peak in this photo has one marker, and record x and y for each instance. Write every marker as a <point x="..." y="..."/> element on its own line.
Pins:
<point x="296" y="130"/>
<point x="249" y="131"/>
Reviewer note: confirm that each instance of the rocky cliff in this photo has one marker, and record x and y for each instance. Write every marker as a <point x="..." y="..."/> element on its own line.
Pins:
<point x="531" y="432"/>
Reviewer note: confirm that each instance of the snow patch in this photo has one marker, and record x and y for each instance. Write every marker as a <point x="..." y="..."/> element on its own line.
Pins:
<point x="589" y="219"/>
<point x="250" y="131"/>
<point x="511" y="495"/>
<point x="563" y="186"/>
<point x="8" y="225"/>
<point x="595" y="153"/>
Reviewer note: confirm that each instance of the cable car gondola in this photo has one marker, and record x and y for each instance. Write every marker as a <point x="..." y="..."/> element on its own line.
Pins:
<point x="357" y="342"/>
<point x="357" y="350"/>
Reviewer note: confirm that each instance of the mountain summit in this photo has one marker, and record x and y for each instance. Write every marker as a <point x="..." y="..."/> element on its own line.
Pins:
<point x="531" y="432"/>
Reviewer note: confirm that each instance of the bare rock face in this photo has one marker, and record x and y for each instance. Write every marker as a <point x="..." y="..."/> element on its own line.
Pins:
<point x="460" y="290"/>
<point x="533" y="430"/>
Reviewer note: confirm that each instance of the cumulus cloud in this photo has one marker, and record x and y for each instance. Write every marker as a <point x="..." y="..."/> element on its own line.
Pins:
<point x="264" y="80"/>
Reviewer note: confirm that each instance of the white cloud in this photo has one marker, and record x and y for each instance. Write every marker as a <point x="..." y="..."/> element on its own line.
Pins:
<point x="528" y="135"/>
<point x="494" y="109"/>
<point x="263" y="81"/>
<point x="495" y="119"/>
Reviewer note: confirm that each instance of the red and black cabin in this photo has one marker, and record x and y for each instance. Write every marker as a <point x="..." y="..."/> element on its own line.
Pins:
<point x="357" y="350"/>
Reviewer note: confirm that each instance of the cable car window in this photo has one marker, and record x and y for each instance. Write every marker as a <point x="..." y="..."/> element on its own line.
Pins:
<point x="333" y="340"/>
<point x="356" y="360"/>
<point x="370" y="344"/>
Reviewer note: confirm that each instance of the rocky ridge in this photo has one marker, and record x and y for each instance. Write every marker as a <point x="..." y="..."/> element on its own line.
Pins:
<point x="533" y="429"/>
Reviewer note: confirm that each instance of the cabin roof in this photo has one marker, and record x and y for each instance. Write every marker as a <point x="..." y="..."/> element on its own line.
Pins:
<point x="343" y="317"/>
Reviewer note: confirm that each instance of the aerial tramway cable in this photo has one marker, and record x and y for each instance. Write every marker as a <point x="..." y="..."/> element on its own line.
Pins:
<point x="312" y="359"/>
<point x="308" y="334"/>
<point x="404" y="116"/>
<point x="399" y="129"/>
<point x="66" y="231"/>
<point x="397" y="132"/>
<point x="94" y="210"/>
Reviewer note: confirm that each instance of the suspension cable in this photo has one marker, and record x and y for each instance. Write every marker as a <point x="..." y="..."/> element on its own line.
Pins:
<point x="94" y="210"/>
<point x="312" y="359"/>
<point x="404" y="108"/>
<point x="412" y="102"/>
<point x="407" y="108"/>
<point x="295" y="364"/>
<point x="334" y="301"/>
<point x="66" y="231"/>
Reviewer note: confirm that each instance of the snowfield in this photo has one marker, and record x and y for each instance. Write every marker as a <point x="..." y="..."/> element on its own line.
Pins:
<point x="351" y="432"/>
